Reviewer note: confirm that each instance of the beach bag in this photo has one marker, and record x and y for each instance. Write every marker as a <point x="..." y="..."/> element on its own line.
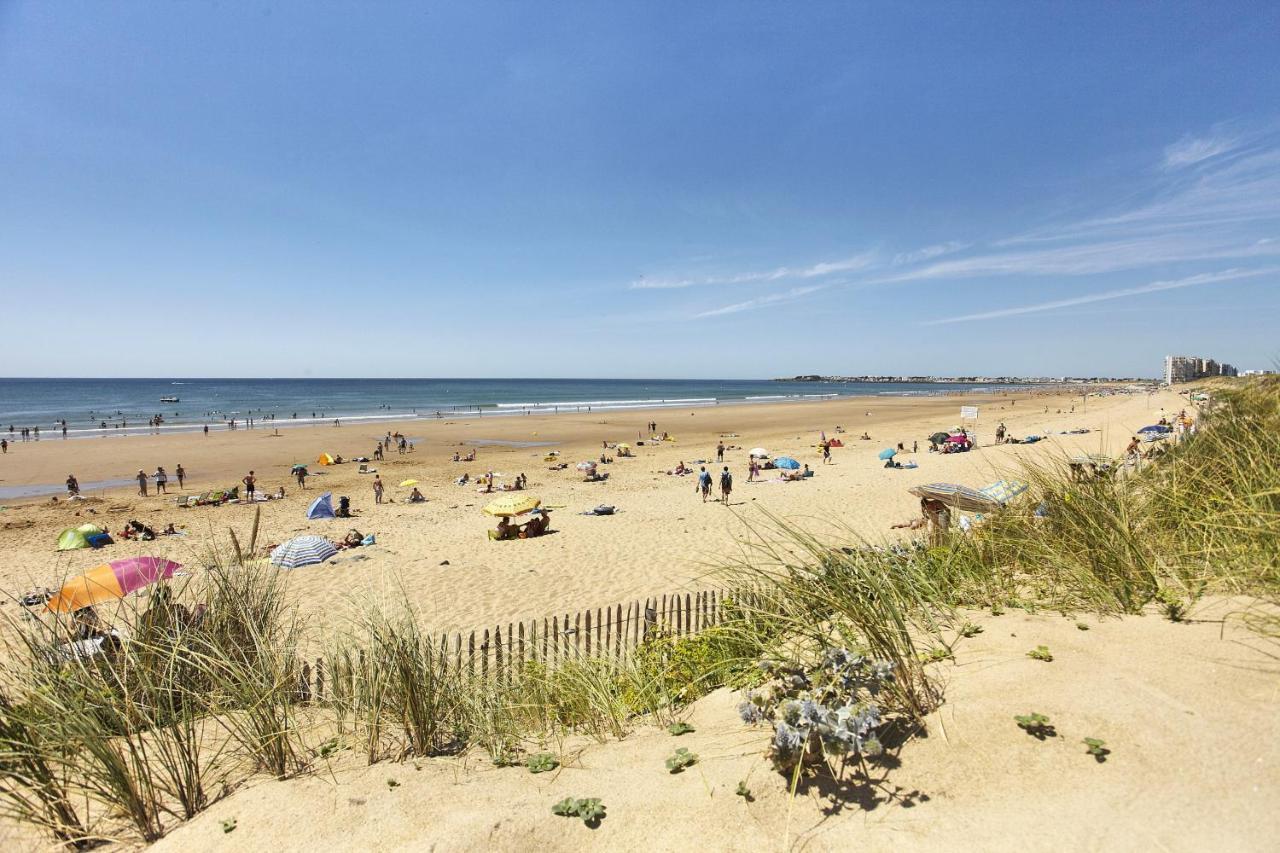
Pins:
<point x="97" y="540"/>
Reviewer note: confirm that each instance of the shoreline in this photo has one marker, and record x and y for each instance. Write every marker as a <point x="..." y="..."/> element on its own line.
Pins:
<point x="509" y="410"/>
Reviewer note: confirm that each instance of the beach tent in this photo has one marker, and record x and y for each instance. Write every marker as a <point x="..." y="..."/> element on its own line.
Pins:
<point x="303" y="551"/>
<point x="321" y="507"/>
<point x="786" y="462"/>
<point x="888" y="453"/>
<point x="72" y="539"/>
<point x="324" y="459"/>
<point x="1156" y="428"/>
<point x="110" y="580"/>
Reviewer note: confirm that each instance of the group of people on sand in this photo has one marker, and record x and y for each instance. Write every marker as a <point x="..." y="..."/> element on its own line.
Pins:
<point x="536" y="526"/>
<point x="704" y="484"/>
<point x="469" y="457"/>
<point x="160" y="476"/>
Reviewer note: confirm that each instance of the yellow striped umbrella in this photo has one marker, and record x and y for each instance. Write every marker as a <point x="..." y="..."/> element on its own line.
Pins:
<point x="510" y="505"/>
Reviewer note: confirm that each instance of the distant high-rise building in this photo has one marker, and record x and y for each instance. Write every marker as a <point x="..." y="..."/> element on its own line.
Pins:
<point x="1180" y="368"/>
<point x="1186" y="368"/>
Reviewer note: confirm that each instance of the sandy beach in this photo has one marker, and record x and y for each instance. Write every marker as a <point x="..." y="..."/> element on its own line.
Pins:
<point x="436" y="554"/>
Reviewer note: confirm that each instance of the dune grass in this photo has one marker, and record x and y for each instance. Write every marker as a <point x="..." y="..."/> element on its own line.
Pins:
<point x="124" y="744"/>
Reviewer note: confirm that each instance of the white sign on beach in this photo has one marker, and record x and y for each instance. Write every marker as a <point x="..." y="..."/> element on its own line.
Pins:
<point x="969" y="412"/>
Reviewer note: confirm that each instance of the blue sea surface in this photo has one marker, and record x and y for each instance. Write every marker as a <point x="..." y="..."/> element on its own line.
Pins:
<point x="126" y="405"/>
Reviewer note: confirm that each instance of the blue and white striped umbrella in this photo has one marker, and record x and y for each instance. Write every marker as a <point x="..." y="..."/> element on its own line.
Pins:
<point x="960" y="497"/>
<point x="1004" y="491"/>
<point x="303" y="551"/>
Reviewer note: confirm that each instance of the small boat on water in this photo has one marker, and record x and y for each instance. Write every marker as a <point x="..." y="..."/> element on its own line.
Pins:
<point x="169" y="400"/>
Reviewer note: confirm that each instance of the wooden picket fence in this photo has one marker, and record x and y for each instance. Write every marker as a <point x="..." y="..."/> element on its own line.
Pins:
<point x="610" y="633"/>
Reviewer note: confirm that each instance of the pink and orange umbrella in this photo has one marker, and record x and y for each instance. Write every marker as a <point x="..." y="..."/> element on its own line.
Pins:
<point x="111" y="580"/>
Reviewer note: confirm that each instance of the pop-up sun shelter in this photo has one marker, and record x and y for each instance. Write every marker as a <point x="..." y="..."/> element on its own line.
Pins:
<point x="321" y="507"/>
<point x="324" y="459"/>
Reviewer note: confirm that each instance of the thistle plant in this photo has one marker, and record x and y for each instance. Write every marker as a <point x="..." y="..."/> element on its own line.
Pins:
<point x="542" y="762"/>
<point x="819" y="712"/>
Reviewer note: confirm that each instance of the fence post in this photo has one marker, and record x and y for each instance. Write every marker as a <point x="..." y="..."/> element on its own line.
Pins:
<point x="588" y="638"/>
<point x="499" y="670"/>
<point x="471" y="654"/>
<point x="520" y="640"/>
<point x="304" y="684"/>
<point x="650" y="618"/>
<point x="555" y="638"/>
<point x="484" y="656"/>
<point x="577" y="633"/>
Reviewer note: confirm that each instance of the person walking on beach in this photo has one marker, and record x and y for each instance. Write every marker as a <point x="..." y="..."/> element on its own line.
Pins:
<point x="377" y="489"/>
<point x="704" y="483"/>
<point x="250" y="483"/>
<point x="720" y="451"/>
<point x="301" y="473"/>
<point x="826" y="452"/>
<point x="73" y="485"/>
<point x="142" y="482"/>
<point x="726" y="484"/>
<point x="4" y="445"/>
<point x="162" y="481"/>
<point x="181" y="474"/>
<point x="206" y="430"/>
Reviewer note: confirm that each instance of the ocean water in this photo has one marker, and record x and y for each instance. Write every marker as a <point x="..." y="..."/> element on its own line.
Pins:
<point x="126" y="405"/>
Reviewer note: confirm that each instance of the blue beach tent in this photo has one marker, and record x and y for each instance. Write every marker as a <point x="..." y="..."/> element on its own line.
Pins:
<point x="321" y="507"/>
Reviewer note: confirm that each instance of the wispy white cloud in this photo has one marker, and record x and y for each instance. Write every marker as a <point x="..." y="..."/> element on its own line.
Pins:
<point x="857" y="262"/>
<point x="929" y="252"/>
<point x="762" y="301"/>
<point x="1190" y="150"/>
<point x="1153" y="287"/>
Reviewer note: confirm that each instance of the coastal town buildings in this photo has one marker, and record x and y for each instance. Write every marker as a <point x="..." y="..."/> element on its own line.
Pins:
<point x="1186" y="368"/>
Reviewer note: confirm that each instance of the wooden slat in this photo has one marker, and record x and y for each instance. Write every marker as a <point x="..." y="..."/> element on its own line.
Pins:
<point x="599" y="648"/>
<point x="471" y="654"/>
<point x="577" y="634"/>
<point x="555" y="639"/>
<point x="587" y="638"/>
<point x="499" y="671"/>
<point x="520" y="643"/>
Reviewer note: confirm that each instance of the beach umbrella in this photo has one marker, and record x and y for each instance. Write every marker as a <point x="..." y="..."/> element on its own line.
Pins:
<point x="586" y="465"/>
<point x="407" y="483"/>
<point x="960" y="497"/>
<point x="624" y="446"/>
<point x="1155" y="428"/>
<point x="888" y="453"/>
<point x="1003" y="491"/>
<point x="786" y="462"/>
<point x="303" y="551"/>
<point x="298" y="467"/>
<point x="759" y="452"/>
<point x="938" y="437"/>
<point x="111" y="580"/>
<point x="512" y="505"/>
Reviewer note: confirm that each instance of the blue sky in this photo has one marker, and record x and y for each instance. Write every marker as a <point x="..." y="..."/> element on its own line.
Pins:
<point x="607" y="189"/>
